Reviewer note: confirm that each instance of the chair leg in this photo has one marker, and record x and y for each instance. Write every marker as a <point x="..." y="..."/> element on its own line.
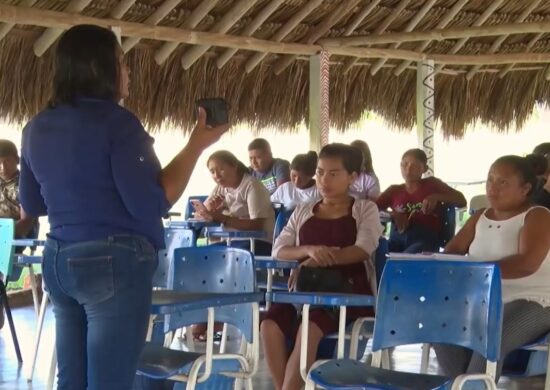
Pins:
<point x="4" y="298"/>
<point x="34" y="289"/>
<point x="53" y="369"/>
<point x="425" y="358"/>
<point x="39" y="327"/>
<point x="547" y="379"/>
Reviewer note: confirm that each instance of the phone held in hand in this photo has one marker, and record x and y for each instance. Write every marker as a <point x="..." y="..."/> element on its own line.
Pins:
<point x="216" y="110"/>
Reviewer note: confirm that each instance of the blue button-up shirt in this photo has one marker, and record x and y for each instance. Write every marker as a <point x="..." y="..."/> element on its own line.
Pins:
<point x="92" y="169"/>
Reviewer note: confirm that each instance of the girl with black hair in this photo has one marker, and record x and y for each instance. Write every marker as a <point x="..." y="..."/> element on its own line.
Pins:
<point x="302" y="187"/>
<point x="367" y="185"/>
<point x="89" y="165"/>
<point x="334" y="237"/>
<point x="416" y="206"/>
<point x="516" y="235"/>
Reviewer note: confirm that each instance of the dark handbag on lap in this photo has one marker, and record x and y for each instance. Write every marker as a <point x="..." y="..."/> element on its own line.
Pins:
<point x="326" y="280"/>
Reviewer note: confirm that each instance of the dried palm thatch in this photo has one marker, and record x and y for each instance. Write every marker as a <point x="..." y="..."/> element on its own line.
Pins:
<point x="500" y="95"/>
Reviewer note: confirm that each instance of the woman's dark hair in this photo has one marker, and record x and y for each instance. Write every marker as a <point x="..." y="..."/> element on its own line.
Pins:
<point x="367" y="157"/>
<point x="522" y="167"/>
<point x="305" y="163"/>
<point x="86" y="64"/>
<point x="538" y="162"/>
<point x="351" y="157"/>
<point x="542" y="149"/>
<point x="417" y="154"/>
<point x="228" y="158"/>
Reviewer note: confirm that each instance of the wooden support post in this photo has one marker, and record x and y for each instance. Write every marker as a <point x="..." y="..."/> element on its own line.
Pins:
<point x="319" y="122"/>
<point x="425" y="91"/>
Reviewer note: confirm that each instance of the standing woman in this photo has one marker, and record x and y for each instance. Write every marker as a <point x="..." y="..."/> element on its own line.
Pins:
<point x="90" y="166"/>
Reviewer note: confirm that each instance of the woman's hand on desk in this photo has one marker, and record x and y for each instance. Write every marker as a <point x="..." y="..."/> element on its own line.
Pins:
<point x="323" y="256"/>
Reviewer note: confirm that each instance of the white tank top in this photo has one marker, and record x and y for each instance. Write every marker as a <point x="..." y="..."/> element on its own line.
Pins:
<point x="495" y="240"/>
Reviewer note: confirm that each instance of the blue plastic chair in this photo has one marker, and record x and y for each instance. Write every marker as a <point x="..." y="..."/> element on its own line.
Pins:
<point x="189" y="210"/>
<point x="174" y="237"/>
<point x="419" y="302"/>
<point x="212" y="269"/>
<point x="6" y="266"/>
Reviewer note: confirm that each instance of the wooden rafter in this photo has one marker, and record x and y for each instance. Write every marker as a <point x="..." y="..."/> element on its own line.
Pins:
<point x="500" y="40"/>
<point x="198" y="14"/>
<point x="479" y="21"/>
<point x="410" y="26"/>
<point x="6" y="27"/>
<point x="529" y="46"/>
<point x="122" y="7"/>
<point x="283" y="31"/>
<point x="49" y="36"/>
<point x="258" y="20"/>
<point x="231" y="17"/>
<point x="450" y="15"/>
<point x="154" y="19"/>
<point x="381" y="28"/>
<point x="64" y="21"/>
<point x="333" y="17"/>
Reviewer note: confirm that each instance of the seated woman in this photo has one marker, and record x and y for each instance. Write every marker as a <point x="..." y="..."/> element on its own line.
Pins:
<point x="367" y="185"/>
<point x="302" y="187"/>
<point x="337" y="234"/>
<point x="515" y="234"/>
<point x="416" y="206"/>
<point x="239" y="201"/>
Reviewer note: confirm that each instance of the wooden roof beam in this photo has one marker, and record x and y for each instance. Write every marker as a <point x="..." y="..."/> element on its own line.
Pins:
<point x="260" y="18"/>
<point x="198" y="14"/>
<point x="449" y="16"/>
<point x="49" y="36"/>
<point x="120" y="10"/>
<point x="500" y="40"/>
<point x="283" y="31"/>
<point x="6" y="27"/>
<point x="529" y="46"/>
<point x="410" y="26"/>
<point x="479" y="21"/>
<point x="232" y="16"/>
<point x="154" y="19"/>
<point x="381" y="28"/>
<point x="318" y="31"/>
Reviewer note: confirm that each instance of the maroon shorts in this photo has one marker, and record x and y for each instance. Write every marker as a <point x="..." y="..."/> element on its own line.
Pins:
<point x="286" y="317"/>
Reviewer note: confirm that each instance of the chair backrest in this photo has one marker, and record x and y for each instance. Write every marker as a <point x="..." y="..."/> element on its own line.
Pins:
<point x="215" y="269"/>
<point x="280" y="222"/>
<point x="448" y="302"/>
<point x="6" y="247"/>
<point x="478" y="202"/>
<point x="174" y="237"/>
<point x="189" y="210"/>
<point x="448" y="224"/>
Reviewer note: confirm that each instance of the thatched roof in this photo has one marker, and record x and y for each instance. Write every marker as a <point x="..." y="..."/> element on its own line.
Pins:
<point x="500" y="84"/>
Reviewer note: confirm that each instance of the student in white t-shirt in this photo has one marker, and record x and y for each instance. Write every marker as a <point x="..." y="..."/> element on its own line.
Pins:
<point x="302" y="187"/>
<point x="366" y="186"/>
<point x="239" y="201"/>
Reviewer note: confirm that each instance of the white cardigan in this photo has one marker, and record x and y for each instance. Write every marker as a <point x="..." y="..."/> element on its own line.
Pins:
<point x="369" y="230"/>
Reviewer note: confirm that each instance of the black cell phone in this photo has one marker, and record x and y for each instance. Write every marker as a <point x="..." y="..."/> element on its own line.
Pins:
<point x="216" y="111"/>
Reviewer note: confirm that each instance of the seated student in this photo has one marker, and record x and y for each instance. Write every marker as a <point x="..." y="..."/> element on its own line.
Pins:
<point x="539" y="162"/>
<point x="515" y="234"/>
<point x="9" y="196"/>
<point x="416" y="206"/>
<point x="239" y="201"/>
<point x="272" y="172"/>
<point x="302" y="187"/>
<point x="334" y="236"/>
<point x="367" y="185"/>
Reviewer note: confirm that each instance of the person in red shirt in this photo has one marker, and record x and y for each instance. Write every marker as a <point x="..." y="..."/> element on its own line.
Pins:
<point x="416" y="206"/>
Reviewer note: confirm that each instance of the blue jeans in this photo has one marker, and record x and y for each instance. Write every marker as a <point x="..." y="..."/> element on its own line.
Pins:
<point x="101" y="294"/>
<point x="415" y="239"/>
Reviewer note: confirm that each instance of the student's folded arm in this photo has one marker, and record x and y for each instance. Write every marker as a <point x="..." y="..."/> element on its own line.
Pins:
<point x="460" y="243"/>
<point x="449" y="195"/>
<point x="284" y="247"/>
